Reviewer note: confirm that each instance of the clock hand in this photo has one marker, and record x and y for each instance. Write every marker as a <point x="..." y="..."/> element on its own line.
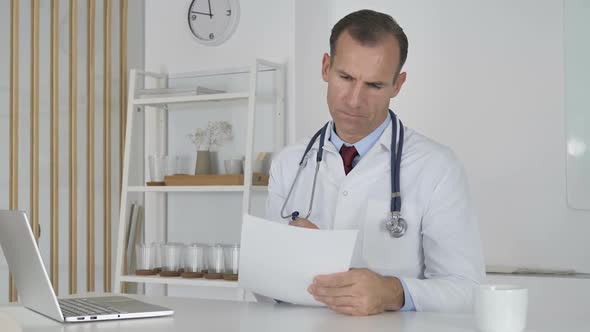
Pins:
<point x="210" y="14"/>
<point x="194" y="12"/>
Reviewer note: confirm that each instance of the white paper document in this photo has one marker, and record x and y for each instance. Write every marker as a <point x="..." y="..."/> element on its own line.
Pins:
<point x="280" y="261"/>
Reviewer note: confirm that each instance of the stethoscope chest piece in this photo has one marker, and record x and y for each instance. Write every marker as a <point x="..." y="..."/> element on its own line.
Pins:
<point x="396" y="225"/>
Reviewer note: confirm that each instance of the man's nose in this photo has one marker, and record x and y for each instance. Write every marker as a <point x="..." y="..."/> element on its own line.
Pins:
<point x="355" y="95"/>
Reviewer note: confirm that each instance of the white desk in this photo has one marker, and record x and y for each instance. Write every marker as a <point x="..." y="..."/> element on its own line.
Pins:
<point x="210" y="315"/>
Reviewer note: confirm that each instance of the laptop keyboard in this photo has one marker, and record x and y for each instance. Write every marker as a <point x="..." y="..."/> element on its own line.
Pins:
<point x="84" y="307"/>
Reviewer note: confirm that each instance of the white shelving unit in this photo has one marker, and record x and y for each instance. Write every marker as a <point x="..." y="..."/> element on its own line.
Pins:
<point x="192" y="188"/>
<point x="180" y="281"/>
<point x="191" y="99"/>
<point x="159" y="98"/>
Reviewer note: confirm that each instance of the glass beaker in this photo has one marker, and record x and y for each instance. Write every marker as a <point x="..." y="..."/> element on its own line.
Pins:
<point x="144" y="259"/>
<point x="158" y="167"/>
<point x="171" y="258"/>
<point x="231" y="258"/>
<point x="194" y="261"/>
<point x="215" y="264"/>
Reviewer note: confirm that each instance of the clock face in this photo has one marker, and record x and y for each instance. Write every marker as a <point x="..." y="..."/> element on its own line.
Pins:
<point x="213" y="21"/>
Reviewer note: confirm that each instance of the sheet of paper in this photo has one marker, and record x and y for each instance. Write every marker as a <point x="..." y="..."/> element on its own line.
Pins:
<point x="279" y="261"/>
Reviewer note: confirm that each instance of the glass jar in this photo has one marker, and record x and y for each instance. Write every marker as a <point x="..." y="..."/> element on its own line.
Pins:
<point x="231" y="258"/>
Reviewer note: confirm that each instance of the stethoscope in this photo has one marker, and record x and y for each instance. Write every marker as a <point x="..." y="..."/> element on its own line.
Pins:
<point x="396" y="225"/>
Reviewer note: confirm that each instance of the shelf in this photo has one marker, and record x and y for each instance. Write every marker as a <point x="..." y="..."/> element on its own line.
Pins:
<point x="190" y="99"/>
<point x="193" y="188"/>
<point x="180" y="281"/>
<point x="208" y="90"/>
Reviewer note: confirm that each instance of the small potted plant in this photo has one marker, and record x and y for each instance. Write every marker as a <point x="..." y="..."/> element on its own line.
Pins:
<point x="216" y="133"/>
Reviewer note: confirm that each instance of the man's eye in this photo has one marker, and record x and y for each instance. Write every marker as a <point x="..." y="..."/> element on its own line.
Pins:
<point x="346" y="77"/>
<point x="375" y="86"/>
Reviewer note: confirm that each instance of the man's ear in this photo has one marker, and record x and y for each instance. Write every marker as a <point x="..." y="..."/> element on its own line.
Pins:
<point x="397" y="85"/>
<point x="325" y="66"/>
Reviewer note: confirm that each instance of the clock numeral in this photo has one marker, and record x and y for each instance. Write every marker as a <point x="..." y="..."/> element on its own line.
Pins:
<point x="193" y="17"/>
<point x="228" y="12"/>
<point x="211" y="36"/>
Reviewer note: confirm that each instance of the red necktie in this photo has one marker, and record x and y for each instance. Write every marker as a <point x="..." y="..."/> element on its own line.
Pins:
<point x="348" y="153"/>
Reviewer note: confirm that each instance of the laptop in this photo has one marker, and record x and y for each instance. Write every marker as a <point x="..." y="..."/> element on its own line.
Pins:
<point x="34" y="287"/>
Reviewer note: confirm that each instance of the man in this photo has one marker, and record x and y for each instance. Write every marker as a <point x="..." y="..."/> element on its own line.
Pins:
<point x="436" y="263"/>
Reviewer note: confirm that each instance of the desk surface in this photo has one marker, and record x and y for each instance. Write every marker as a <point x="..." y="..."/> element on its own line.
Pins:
<point x="212" y="315"/>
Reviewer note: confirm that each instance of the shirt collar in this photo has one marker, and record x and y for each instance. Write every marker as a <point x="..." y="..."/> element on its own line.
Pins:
<point x="364" y="145"/>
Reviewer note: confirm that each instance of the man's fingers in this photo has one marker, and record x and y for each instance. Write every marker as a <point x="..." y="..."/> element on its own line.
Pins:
<point x="347" y="310"/>
<point x="301" y="222"/>
<point x="336" y="300"/>
<point x="341" y="279"/>
<point x="316" y="290"/>
<point x="297" y="222"/>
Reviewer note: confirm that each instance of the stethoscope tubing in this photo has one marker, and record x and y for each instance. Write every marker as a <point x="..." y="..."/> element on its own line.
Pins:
<point x="396" y="156"/>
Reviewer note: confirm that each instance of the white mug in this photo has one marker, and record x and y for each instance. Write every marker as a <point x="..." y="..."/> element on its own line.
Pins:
<point x="500" y="308"/>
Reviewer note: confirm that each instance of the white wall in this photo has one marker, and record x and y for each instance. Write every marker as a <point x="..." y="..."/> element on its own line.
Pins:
<point x="566" y="297"/>
<point x="487" y="79"/>
<point x="265" y="30"/>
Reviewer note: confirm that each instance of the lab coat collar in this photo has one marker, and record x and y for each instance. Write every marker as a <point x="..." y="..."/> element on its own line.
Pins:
<point x="366" y="143"/>
<point x="327" y="145"/>
<point x="384" y="140"/>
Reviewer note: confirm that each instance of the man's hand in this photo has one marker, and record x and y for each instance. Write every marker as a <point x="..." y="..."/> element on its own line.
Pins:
<point x="358" y="292"/>
<point x="302" y="222"/>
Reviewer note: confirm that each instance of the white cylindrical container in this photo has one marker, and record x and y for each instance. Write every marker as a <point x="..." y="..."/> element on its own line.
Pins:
<point x="500" y="308"/>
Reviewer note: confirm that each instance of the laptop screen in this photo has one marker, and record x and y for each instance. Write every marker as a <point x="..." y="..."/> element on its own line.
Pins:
<point x="25" y="263"/>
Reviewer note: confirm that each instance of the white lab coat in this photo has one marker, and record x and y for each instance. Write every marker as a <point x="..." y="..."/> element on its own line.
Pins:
<point x="439" y="258"/>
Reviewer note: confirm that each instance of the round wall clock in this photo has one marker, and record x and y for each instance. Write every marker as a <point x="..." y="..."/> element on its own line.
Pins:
<point x="213" y="22"/>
